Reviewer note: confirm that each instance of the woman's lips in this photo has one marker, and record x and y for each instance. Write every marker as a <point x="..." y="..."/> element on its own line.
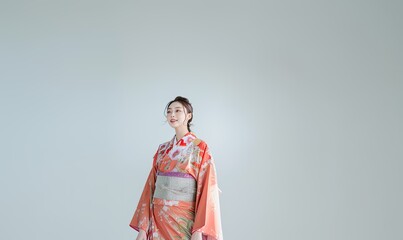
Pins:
<point x="173" y="121"/>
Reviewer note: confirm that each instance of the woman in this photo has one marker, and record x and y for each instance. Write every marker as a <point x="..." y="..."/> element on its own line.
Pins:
<point x="180" y="198"/>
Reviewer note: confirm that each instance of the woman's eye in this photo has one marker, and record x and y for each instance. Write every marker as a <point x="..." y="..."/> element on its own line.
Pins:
<point x="178" y="110"/>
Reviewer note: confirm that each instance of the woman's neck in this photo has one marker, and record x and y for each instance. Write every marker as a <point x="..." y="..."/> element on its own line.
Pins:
<point x="180" y="132"/>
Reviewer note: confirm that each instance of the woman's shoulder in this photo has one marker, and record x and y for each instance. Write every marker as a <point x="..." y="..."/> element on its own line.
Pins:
<point x="164" y="145"/>
<point x="200" y="143"/>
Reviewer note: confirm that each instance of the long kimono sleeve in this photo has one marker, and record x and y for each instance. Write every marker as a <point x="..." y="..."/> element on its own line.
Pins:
<point x="142" y="214"/>
<point x="208" y="216"/>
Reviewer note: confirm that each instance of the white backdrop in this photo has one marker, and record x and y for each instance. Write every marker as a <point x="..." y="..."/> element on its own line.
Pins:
<point x="300" y="102"/>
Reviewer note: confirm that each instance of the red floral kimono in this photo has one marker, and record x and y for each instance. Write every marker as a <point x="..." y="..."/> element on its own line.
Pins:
<point x="180" y="195"/>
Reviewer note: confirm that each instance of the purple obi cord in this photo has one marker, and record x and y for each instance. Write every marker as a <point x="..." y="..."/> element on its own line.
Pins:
<point x="175" y="174"/>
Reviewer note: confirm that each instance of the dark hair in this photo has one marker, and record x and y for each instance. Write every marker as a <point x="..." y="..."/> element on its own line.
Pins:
<point x="186" y="104"/>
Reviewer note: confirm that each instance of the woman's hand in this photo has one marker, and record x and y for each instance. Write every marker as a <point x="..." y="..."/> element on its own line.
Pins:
<point x="196" y="236"/>
<point x="142" y="235"/>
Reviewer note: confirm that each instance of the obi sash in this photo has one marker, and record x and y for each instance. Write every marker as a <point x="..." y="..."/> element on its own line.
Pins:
<point x="175" y="186"/>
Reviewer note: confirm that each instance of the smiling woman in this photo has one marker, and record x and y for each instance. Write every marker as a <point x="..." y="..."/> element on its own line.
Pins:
<point x="179" y="111"/>
<point x="180" y="199"/>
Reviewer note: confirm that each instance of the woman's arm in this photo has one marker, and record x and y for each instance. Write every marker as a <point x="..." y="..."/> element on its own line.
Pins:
<point x="141" y="217"/>
<point x="208" y="215"/>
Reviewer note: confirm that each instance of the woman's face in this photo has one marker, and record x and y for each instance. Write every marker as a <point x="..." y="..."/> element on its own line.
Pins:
<point x="176" y="115"/>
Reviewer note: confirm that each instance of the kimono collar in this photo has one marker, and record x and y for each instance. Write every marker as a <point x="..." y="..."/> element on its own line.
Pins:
<point x="188" y="137"/>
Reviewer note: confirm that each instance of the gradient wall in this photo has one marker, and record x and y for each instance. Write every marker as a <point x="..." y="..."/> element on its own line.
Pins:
<point x="300" y="102"/>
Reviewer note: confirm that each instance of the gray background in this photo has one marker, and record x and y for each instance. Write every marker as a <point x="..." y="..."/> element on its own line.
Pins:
<point x="300" y="102"/>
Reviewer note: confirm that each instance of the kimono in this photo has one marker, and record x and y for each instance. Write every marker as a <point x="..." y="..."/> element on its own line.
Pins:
<point x="181" y="194"/>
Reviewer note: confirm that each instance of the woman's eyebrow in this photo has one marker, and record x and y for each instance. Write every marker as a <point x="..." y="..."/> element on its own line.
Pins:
<point x="175" y="107"/>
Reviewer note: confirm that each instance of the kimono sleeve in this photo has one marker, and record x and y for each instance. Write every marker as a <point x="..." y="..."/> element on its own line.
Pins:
<point x="142" y="214"/>
<point x="208" y="216"/>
